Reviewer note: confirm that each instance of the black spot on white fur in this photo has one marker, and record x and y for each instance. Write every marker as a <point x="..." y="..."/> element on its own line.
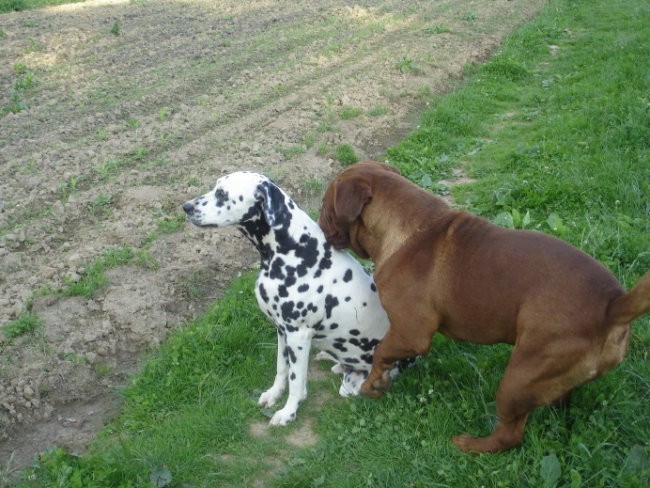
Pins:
<point x="347" y="277"/>
<point x="330" y="302"/>
<point x="220" y="197"/>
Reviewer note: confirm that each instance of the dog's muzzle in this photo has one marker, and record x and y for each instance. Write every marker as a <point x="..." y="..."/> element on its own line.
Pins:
<point x="189" y="208"/>
<point x="193" y="215"/>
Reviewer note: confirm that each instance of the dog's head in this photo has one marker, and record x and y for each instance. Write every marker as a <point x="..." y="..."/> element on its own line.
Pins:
<point x="238" y="198"/>
<point x="343" y="204"/>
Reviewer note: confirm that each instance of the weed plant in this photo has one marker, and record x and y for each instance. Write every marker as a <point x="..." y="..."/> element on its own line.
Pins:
<point x="344" y="153"/>
<point x="348" y="113"/>
<point x="25" y="82"/>
<point x="555" y="130"/>
<point x="26" y="323"/>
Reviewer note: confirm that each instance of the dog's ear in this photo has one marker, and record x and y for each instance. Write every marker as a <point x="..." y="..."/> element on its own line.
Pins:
<point x="352" y="194"/>
<point x="271" y="201"/>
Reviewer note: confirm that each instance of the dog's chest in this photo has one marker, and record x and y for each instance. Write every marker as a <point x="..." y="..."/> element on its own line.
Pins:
<point x="288" y="299"/>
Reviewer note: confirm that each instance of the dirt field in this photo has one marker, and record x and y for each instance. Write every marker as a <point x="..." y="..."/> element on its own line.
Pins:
<point x="112" y="113"/>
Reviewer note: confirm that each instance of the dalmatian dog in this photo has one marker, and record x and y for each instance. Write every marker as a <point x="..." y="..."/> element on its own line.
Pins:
<point x="312" y="292"/>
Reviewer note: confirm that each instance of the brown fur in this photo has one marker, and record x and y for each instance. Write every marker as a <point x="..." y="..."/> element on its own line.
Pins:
<point x="443" y="270"/>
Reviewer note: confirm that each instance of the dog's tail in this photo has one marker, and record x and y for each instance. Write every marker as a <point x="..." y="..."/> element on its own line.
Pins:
<point x="634" y="303"/>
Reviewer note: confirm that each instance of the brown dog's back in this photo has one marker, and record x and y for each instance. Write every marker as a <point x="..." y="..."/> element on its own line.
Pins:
<point x="481" y="277"/>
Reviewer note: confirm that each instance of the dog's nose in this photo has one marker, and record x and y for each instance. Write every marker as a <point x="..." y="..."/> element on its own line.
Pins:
<point x="188" y="207"/>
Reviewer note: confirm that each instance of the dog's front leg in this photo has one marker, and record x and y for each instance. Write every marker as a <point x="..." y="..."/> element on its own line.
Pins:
<point x="273" y="394"/>
<point x="392" y="348"/>
<point x="297" y="353"/>
<point x="379" y="379"/>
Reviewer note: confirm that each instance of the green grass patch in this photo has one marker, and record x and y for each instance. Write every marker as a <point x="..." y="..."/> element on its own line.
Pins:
<point x="378" y="111"/>
<point x="407" y="66"/>
<point x="344" y="153"/>
<point x="171" y="223"/>
<point x="130" y="159"/>
<point x="557" y="141"/>
<point x="292" y="151"/>
<point x="348" y="113"/>
<point x="17" y="5"/>
<point x="559" y="135"/>
<point x="115" y="28"/>
<point x="25" y="82"/>
<point x="93" y="277"/>
<point x="198" y="284"/>
<point x="437" y="29"/>
<point x="26" y="323"/>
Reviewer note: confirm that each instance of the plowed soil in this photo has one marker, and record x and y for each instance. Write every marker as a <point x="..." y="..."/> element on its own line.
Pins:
<point x="112" y="113"/>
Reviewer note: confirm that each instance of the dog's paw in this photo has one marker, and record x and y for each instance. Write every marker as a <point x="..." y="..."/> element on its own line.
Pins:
<point x="464" y="442"/>
<point x="352" y="381"/>
<point x="344" y="391"/>
<point x="369" y="390"/>
<point x="269" y="397"/>
<point x="324" y="356"/>
<point x="283" y="416"/>
<point x="383" y="383"/>
<point x="490" y="443"/>
<point x="337" y="369"/>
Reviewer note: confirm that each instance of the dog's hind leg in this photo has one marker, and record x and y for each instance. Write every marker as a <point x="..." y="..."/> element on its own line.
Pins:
<point x="514" y="402"/>
<point x="508" y="433"/>
<point x="529" y="381"/>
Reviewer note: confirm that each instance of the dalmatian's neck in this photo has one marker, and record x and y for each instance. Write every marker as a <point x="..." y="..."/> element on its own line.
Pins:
<point x="294" y="233"/>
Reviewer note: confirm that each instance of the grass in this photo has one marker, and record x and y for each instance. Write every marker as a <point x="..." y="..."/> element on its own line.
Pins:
<point x="26" y="323"/>
<point x="344" y="153"/>
<point x="115" y="28"/>
<point x="348" y="113"/>
<point x="130" y="159"/>
<point x="198" y="285"/>
<point x="93" y="277"/>
<point x="553" y="137"/>
<point x="378" y="111"/>
<point x="406" y="66"/>
<point x="557" y="141"/>
<point x="25" y="81"/>
<point x="171" y="223"/>
<point x="16" y="5"/>
<point x="437" y="29"/>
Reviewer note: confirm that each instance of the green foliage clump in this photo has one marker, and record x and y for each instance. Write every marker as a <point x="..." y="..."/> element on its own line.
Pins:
<point x="26" y="323"/>
<point x="344" y="153"/>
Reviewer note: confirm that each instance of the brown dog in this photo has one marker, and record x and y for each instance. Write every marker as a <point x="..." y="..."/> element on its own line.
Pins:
<point x="439" y="269"/>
